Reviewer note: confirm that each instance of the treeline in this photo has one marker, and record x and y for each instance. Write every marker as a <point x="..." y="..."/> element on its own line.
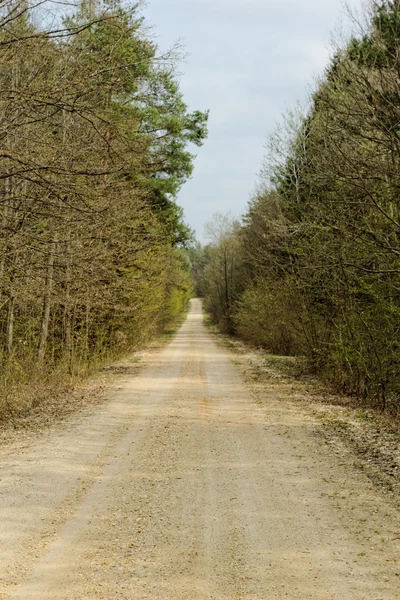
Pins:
<point x="94" y="148"/>
<point x="313" y="268"/>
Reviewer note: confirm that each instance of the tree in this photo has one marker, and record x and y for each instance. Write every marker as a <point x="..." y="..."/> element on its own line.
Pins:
<point x="222" y="273"/>
<point x="95" y="137"/>
<point x="320" y="240"/>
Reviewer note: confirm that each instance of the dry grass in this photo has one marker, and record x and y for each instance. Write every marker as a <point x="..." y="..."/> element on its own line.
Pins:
<point x="34" y="397"/>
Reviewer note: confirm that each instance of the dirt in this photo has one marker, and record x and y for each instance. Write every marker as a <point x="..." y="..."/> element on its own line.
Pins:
<point x="185" y="484"/>
<point x="371" y="436"/>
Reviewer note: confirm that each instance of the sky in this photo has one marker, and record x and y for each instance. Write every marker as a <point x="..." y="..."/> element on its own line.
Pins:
<point x="246" y="62"/>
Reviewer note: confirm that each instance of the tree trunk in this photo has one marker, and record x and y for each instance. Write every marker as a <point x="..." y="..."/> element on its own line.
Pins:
<point x="44" y="330"/>
<point x="8" y="187"/>
<point x="10" y="326"/>
<point x="87" y="329"/>
<point x="67" y="302"/>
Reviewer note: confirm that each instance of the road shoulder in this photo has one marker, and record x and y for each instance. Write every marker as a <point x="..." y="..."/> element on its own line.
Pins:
<point x="370" y="439"/>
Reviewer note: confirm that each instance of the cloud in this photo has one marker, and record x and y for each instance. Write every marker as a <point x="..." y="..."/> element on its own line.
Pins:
<point x="247" y="61"/>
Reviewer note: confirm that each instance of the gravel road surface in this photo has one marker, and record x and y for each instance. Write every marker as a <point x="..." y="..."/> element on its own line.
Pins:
<point x="181" y="486"/>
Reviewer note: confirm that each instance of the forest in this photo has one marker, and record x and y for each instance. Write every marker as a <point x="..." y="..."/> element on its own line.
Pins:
<point x="312" y="269"/>
<point x="95" y="145"/>
<point x="95" y="256"/>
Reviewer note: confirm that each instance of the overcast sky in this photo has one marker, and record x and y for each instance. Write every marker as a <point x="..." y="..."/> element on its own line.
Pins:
<point x="247" y="61"/>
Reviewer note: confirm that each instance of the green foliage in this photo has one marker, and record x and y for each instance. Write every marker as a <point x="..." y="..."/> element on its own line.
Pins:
<point x="198" y="257"/>
<point x="95" y="147"/>
<point x="318" y="250"/>
<point x="265" y="316"/>
<point x="222" y="279"/>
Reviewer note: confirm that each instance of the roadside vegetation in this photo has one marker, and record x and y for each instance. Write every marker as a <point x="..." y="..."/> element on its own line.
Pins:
<point x="94" y="149"/>
<point x="313" y="267"/>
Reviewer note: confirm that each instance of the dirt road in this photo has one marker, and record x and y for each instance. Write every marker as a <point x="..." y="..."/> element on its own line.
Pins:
<point x="181" y="486"/>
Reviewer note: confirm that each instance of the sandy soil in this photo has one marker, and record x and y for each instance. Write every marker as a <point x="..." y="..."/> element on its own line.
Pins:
<point x="185" y="486"/>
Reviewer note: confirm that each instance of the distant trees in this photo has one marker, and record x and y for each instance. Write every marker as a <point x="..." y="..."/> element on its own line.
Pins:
<point x="222" y="270"/>
<point x="320" y="240"/>
<point x="94" y="135"/>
